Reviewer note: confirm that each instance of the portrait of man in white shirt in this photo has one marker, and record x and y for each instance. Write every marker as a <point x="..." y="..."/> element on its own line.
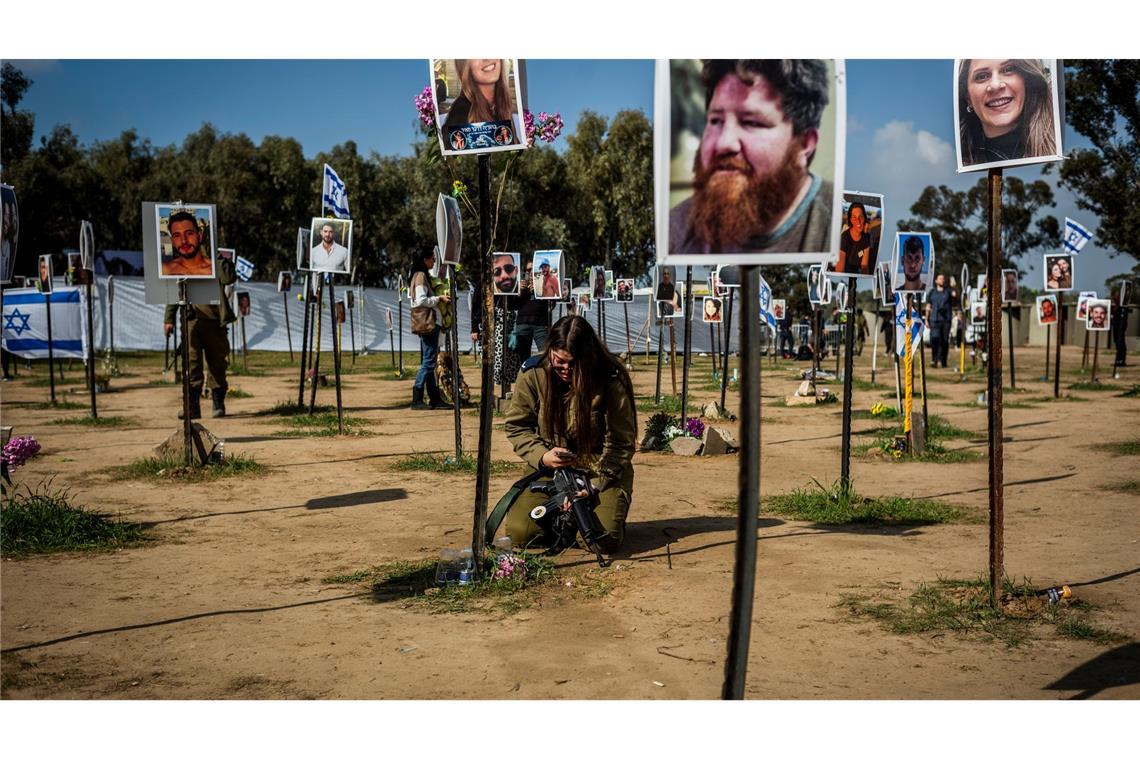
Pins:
<point x="329" y="255"/>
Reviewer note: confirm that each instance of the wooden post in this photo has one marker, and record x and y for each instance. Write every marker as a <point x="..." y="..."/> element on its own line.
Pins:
<point x="848" y="372"/>
<point x="335" y="325"/>
<point x="1012" y="367"/>
<point x="288" y="328"/>
<point x="304" y="343"/>
<point x="994" y="389"/>
<point x="1096" y="355"/>
<point x="1060" y="340"/>
<point x="688" y="344"/>
<point x="316" y="350"/>
<point x="673" y="354"/>
<point x="1048" y="341"/>
<point x="908" y="377"/>
<point x="486" y="386"/>
<point x="51" y="352"/>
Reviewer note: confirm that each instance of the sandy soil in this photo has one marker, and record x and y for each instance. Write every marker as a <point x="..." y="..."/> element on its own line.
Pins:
<point x="229" y="603"/>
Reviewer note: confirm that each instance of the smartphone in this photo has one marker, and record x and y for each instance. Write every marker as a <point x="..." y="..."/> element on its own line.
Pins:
<point x="566" y="455"/>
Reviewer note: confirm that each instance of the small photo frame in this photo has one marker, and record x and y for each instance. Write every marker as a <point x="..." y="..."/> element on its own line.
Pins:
<point x="331" y="249"/>
<point x="44" y="274"/>
<point x="350" y="299"/>
<point x="674" y="308"/>
<point x="1046" y="310"/>
<point x="583" y="303"/>
<point x="505" y="273"/>
<point x="341" y="312"/>
<point x="1008" y="112"/>
<point x="625" y="290"/>
<point x="815" y="286"/>
<point x="77" y="274"/>
<point x="1009" y="286"/>
<point x="478" y="104"/>
<point x="1059" y="272"/>
<point x="978" y="312"/>
<point x="1099" y="318"/>
<point x="609" y="293"/>
<point x="243" y="302"/>
<point x="779" y="308"/>
<point x="567" y="286"/>
<point x="964" y="284"/>
<point x="886" y="292"/>
<point x="1083" y="303"/>
<point x="598" y="283"/>
<point x="449" y="228"/>
<point x="712" y="310"/>
<point x="546" y="275"/>
<point x="284" y="282"/>
<point x="186" y="245"/>
<point x="913" y="262"/>
<point x="303" y="237"/>
<point x="860" y="234"/>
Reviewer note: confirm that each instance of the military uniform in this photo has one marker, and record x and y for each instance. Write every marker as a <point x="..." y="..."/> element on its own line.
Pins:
<point x="206" y="328"/>
<point x="615" y="440"/>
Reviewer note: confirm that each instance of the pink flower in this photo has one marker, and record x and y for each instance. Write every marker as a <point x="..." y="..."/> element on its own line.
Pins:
<point x="425" y="107"/>
<point x="19" y="450"/>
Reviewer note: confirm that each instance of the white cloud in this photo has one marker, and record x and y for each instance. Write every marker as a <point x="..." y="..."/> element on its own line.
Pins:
<point x="903" y="153"/>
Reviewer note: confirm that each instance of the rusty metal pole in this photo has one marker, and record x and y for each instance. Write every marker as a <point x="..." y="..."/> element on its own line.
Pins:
<point x="994" y="387"/>
<point x="1060" y="340"/>
<point x="486" y="376"/>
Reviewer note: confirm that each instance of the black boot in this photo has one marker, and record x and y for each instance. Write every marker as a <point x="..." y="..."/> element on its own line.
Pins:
<point x="195" y="406"/>
<point x="218" y="396"/>
<point x="418" y="398"/>
<point x="436" y="399"/>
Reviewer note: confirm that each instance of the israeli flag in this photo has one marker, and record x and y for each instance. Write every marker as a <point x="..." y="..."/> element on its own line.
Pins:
<point x="1075" y="236"/>
<point x="243" y="268"/>
<point x="25" y="323"/>
<point x="766" y="303"/>
<point x="334" y="195"/>
<point x="916" y="325"/>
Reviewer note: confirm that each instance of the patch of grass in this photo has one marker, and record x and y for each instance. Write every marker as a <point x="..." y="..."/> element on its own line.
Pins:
<point x="322" y="425"/>
<point x="43" y="520"/>
<point x="1128" y="486"/>
<point x="45" y="382"/>
<point x="447" y="464"/>
<point x="236" y="370"/>
<point x="92" y="421"/>
<point x="154" y="468"/>
<point x="1095" y="387"/>
<point x="388" y="373"/>
<point x="291" y="409"/>
<point x="671" y="404"/>
<point x="918" y="393"/>
<point x="160" y="381"/>
<point x="938" y="427"/>
<point x="1124" y="448"/>
<point x="237" y="393"/>
<point x="1133" y="392"/>
<point x="1047" y="399"/>
<point x="836" y="505"/>
<point x="414" y="582"/>
<point x="47" y="405"/>
<point x="866" y="385"/>
<point x="939" y="454"/>
<point x="938" y="430"/>
<point x="963" y="606"/>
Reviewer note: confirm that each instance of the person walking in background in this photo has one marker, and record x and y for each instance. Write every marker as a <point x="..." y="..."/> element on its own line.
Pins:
<point x="420" y="292"/>
<point x="939" y="310"/>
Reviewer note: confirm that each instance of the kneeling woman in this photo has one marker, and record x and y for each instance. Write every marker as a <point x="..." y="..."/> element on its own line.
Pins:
<point x="575" y="408"/>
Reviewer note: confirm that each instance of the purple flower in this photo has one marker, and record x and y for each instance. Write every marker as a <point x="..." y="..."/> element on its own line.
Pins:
<point x="425" y="106"/>
<point x="545" y="126"/>
<point x="19" y="450"/>
<point x="694" y="427"/>
<point x="510" y="566"/>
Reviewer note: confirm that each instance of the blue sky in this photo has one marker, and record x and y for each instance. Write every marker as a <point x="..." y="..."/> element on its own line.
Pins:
<point x="900" y="118"/>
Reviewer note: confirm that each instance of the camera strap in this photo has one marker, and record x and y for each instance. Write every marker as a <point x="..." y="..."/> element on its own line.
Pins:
<point x="495" y="519"/>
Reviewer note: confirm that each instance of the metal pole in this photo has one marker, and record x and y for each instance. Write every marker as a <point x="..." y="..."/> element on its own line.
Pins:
<point x="727" y="347"/>
<point x="875" y="351"/>
<point x="688" y="344"/>
<point x="1012" y="367"/>
<point x="184" y="328"/>
<point x="1060" y="340"/>
<point x="304" y="346"/>
<point x="660" y="356"/>
<point x="288" y="327"/>
<point x="456" y="401"/>
<point x="908" y="377"/>
<point x="1048" y="342"/>
<point x="848" y="374"/>
<point x="316" y="350"/>
<point x="922" y="376"/>
<point x="744" y="567"/>
<point x="994" y="387"/>
<point x="51" y="353"/>
<point x="1085" y="352"/>
<point x="336" y="354"/>
<point x="91" y="344"/>
<point x="351" y="331"/>
<point x="244" y="349"/>
<point x="673" y="353"/>
<point x="400" y="332"/>
<point x="486" y="389"/>
<point x="1096" y="355"/>
<point x="628" y="337"/>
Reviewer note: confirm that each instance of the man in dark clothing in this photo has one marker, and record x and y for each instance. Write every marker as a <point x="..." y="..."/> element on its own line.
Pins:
<point x="533" y="320"/>
<point x="1119" y="326"/>
<point x="939" y="310"/>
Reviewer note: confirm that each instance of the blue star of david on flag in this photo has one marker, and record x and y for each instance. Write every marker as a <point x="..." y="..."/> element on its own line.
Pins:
<point x="10" y="321"/>
<point x="1075" y="236"/>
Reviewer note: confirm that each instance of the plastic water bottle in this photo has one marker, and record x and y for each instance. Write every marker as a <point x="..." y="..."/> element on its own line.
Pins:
<point x="466" y="566"/>
<point x="502" y="546"/>
<point x="447" y="571"/>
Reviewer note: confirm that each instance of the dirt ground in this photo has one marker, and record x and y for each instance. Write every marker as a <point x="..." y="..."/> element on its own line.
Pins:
<point x="228" y="602"/>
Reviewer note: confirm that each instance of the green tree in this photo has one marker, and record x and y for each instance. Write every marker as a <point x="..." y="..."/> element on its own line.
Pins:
<point x="17" y="127"/>
<point x="958" y="225"/>
<point x="1102" y="103"/>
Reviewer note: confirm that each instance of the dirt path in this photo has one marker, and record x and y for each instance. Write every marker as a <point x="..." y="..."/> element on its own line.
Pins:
<point x="229" y="602"/>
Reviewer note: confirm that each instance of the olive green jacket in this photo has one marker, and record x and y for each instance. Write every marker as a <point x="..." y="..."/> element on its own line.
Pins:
<point x="614" y="421"/>
<point x="223" y="312"/>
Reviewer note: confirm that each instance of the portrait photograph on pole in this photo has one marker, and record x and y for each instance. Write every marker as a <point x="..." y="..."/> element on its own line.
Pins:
<point x="711" y="309"/>
<point x="913" y="262"/>
<point x="1008" y="112"/>
<point x="567" y="286"/>
<point x="625" y="290"/>
<point x="332" y="245"/>
<point x="727" y="192"/>
<point x="10" y="220"/>
<point x="284" y="282"/>
<point x="860" y="234"/>
<point x="665" y="291"/>
<point x="1009" y="286"/>
<point x="303" y="237"/>
<point x="673" y="308"/>
<point x="186" y="245"/>
<point x="1046" y="310"/>
<point x="546" y="274"/>
<point x="608" y="293"/>
<point x="598" y="283"/>
<point x="46" y="272"/>
<point x="478" y="104"/>
<point x="505" y="274"/>
<point x="1083" y="303"/>
<point x="1059" y="272"/>
<point x="1099" y="316"/>
<point x="449" y="228"/>
<point x="815" y="284"/>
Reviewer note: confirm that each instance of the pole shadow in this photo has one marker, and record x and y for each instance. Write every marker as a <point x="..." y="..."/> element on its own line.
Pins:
<point x="1117" y="667"/>
<point x="327" y="502"/>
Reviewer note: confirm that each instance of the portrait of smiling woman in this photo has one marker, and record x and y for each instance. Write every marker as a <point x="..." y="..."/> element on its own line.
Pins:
<point x="1007" y="112"/>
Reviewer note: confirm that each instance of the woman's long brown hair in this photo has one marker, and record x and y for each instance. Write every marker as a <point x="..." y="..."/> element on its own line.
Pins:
<point x="593" y="367"/>
<point x="481" y="108"/>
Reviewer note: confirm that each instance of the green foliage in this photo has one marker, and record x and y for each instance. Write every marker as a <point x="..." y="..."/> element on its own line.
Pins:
<point x="1133" y="392"/>
<point x="671" y="404"/>
<point x="92" y="421"/>
<point x="1124" y="448"/>
<point x="655" y="428"/>
<point x="1096" y="387"/>
<point x="291" y="409"/>
<point x="154" y="468"/>
<point x="237" y="393"/>
<point x="447" y="464"/>
<point x="322" y="425"/>
<point x="963" y="606"/>
<point x="41" y="520"/>
<point x="836" y="505"/>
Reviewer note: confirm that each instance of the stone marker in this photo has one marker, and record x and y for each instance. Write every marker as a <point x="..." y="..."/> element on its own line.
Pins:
<point x="714" y="411"/>
<point x="686" y="446"/>
<point x="719" y="441"/>
<point x="172" y="447"/>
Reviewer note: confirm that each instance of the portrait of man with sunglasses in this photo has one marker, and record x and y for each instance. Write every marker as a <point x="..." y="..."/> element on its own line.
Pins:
<point x="505" y="272"/>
